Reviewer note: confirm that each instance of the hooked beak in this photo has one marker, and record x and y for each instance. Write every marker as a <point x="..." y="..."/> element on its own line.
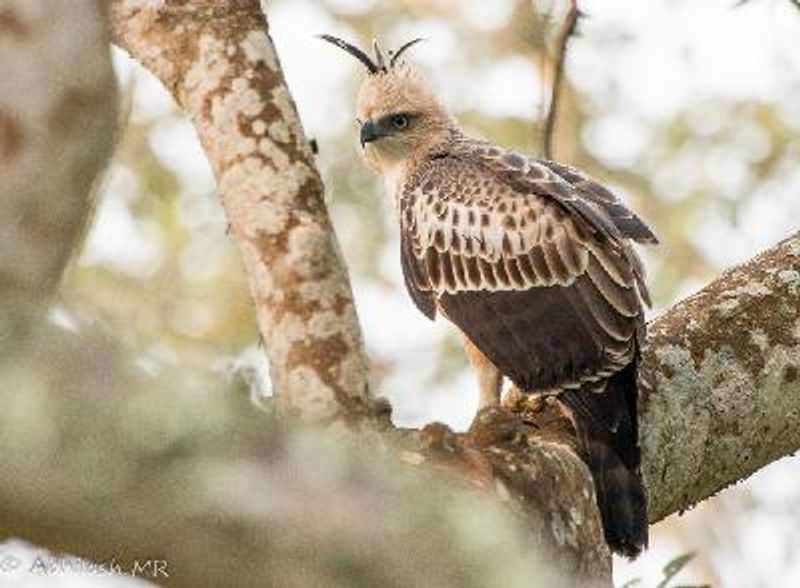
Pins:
<point x="369" y="133"/>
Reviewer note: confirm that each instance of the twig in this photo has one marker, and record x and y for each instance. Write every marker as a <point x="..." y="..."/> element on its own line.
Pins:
<point x="567" y="30"/>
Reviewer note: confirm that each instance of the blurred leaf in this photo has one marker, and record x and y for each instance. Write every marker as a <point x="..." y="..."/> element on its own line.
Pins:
<point x="673" y="568"/>
<point x="795" y="3"/>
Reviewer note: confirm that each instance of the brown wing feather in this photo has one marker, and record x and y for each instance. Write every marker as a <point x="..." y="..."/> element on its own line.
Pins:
<point x="531" y="260"/>
<point x="548" y="291"/>
<point x="416" y="281"/>
<point x="630" y="225"/>
<point x="519" y="240"/>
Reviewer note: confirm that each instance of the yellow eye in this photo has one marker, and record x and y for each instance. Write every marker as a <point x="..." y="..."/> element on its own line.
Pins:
<point x="400" y="121"/>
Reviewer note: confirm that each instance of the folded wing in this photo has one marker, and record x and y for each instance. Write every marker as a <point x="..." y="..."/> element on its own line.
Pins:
<point x="541" y="277"/>
<point x="532" y="261"/>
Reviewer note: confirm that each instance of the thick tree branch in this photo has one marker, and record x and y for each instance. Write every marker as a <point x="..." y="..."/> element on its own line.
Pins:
<point x="219" y="63"/>
<point x="56" y="133"/>
<point x="722" y="396"/>
<point x="118" y="467"/>
<point x="721" y="379"/>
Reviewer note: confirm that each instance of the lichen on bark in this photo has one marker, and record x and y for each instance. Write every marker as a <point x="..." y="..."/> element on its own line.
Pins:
<point x="221" y="66"/>
<point x="720" y="389"/>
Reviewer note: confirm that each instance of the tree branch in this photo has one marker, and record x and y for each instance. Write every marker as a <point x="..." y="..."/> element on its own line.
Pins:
<point x="219" y="63"/>
<point x="721" y="395"/>
<point x="56" y="133"/>
<point x="118" y="467"/>
<point x="566" y="32"/>
<point x="721" y="380"/>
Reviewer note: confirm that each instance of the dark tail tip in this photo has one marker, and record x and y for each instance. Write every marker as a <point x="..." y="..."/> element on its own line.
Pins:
<point x="608" y="442"/>
<point x="621" y="499"/>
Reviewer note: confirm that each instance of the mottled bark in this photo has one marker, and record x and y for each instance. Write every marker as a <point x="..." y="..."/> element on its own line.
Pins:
<point x="219" y="63"/>
<point x="527" y="459"/>
<point x="222" y="69"/>
<point x="721" y="398"/>
<point x="57" y="117"/>
<point x="721" y="382"/>
<point x="118" y="467"/>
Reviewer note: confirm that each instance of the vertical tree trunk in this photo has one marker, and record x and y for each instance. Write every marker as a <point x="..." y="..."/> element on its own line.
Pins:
<point x="57" y="113"/>
<point x="219" y="63"/>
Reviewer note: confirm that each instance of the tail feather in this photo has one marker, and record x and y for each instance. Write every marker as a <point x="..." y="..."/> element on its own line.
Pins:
<point x="606" y="425"/>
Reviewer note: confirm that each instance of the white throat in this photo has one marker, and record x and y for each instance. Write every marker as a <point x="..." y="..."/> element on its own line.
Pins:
<point x="393" y="177"/>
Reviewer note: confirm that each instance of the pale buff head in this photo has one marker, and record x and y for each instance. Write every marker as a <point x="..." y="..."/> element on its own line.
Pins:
<point x="399" y="115"/>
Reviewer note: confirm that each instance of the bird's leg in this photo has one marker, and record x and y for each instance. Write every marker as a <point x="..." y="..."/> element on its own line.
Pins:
<point x="490" y="380"/>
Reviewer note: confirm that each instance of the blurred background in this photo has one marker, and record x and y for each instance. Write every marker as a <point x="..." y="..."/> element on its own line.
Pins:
<point x="689" y="110"/>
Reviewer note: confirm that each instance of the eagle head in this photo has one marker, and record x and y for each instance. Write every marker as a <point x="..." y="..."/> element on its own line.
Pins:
<point x="399" y="116"/>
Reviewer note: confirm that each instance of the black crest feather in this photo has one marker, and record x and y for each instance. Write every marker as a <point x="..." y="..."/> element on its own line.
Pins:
<point x="352" y="50"/>
<point x="376" y="65"/>
<point x="396" y="55"/>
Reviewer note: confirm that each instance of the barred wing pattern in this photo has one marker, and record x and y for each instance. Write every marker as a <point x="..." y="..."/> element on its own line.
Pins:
<point x="538" y="274"/>
<point x="532" y="261"/>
